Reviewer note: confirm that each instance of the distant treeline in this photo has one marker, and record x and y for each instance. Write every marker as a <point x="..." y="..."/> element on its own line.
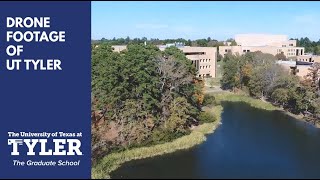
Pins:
<point x="206" y="42"/>
<point x="310" y="46"/>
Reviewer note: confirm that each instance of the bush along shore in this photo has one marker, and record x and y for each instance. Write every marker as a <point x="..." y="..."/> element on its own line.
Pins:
<point x="114" y="160"/>
<point x="253" y="102"/>
<point x="259" y="75"/>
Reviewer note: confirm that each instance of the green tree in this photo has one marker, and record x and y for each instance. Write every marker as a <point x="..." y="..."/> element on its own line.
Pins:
<point x="280" y="96"/>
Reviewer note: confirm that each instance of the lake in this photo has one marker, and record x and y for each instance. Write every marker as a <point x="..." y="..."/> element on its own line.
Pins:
<point x="250" y="143"/>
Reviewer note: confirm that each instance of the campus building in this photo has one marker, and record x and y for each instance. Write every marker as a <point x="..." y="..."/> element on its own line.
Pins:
<point x="203" y="58"/>
<point x="308" y="59"/>
<point x="272" y="44"/>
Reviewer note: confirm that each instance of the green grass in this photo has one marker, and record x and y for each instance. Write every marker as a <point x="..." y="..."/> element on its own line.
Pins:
<point x="257" y="103"/>
<point x="114" y="160"/>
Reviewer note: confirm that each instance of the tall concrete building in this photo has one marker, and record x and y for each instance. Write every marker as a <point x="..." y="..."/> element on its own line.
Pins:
<point x="272" y="44"/>
<point x="203" y="58"/>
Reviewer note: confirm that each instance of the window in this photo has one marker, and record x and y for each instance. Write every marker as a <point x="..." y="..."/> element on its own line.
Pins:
<point x="206" y="67"/>
<point x="200" y="60"/>
<point x="244" y="50"/>
<point x="200" y="67"/>
<point x="206" y="60"/>
<point x="225" y="50"/>
<point x="209" y="60"/>
<point x="209" y="66"/>
<point x="199" y="75"/>
<point x="248" y="50"/>
<point x="290" y="44"/>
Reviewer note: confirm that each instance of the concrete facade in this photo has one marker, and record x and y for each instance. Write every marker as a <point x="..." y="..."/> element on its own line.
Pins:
<point x="308" y="58"/>
<point x="203" y="58"/>
<point x="119" y="48"/>
<point x="272" y="44"/>
<point x="293" y="67"/>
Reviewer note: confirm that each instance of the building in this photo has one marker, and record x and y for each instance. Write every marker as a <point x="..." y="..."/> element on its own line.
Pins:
<point x="272" y="44"/>
<point x="308" y="59"/>
<point x="203" y="58"/>
<point x="119" y="48"/>
<point x="300" y="70"/>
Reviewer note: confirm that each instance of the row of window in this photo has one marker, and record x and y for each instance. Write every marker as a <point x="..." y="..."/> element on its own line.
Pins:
<point x="246" y="50"/>
<point x="291" y="54"/>
<point x="204" y="67"/>
<point x="307" y="60"/>
<point x="204" y="60"/>
<point x="227" y="50"/>
<point x="289" y="50"/>
<point x="204" y="75"/>
<point x="286" y="45"/>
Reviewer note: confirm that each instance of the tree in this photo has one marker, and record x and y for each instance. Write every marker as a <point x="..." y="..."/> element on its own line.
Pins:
<point x="211" y="82"/>
<point x="179" y="110"/>
<point x="280" y="96"/>
<point x="219" y="57"/>
<point x="233" y="42"/>
<point x="230" y="78"/>
<point x="188" y="43"/>
<point x="281" y="56"/>
<point x="202" y="42"/>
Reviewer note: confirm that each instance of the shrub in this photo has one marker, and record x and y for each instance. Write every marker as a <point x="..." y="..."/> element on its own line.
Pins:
<point x="160" y="136"/>
<point x="209" y="100"/>
<point x="206" y="117"/>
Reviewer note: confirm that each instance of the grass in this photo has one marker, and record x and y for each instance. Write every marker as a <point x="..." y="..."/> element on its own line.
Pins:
<point x="114" y="160"/>
<point x="257" y="103"/>
<point x="216" y="81"/>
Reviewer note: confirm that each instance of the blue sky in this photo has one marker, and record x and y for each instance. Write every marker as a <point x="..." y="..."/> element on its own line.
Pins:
<point x="193" y="20"/>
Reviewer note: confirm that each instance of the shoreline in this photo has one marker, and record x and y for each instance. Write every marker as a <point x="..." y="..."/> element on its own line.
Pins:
<point x="197" y="136"/>
<point x="113" y="161"/>
<point x="257" y="103"/>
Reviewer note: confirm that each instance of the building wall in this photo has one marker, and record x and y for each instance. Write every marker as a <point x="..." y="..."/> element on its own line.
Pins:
<point x="119" y="48"/>
<point x="259" y="39"/>
<point x="302" y="71"/>
<point x="205" y="61"/>
<point x="288" y="51"/>
<point x="272" y="44"/>
<point x="308" y="58"/>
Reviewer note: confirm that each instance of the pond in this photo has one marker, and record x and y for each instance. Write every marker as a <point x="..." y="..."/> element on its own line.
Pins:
<point x="250" y="143"/>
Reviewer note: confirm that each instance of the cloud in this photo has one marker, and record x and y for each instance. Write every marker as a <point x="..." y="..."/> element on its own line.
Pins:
<point x="151" y="26"/>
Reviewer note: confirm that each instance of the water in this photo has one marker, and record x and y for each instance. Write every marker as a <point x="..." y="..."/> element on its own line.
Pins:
<point x="250" y="143"/>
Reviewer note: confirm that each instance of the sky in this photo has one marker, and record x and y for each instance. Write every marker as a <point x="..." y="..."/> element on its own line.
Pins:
<point x="195" y="20"/>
